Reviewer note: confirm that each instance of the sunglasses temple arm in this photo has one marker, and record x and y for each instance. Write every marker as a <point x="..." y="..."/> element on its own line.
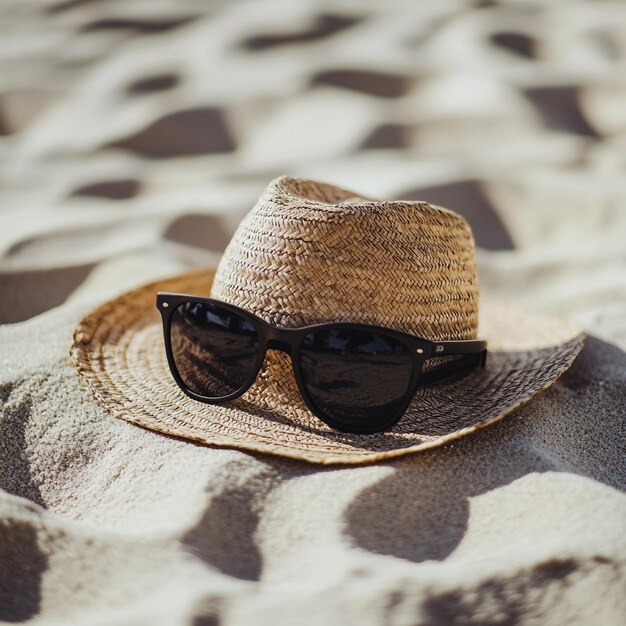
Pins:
<point x="465" y="363"/>
<point x="449" y="348"/>
<point x="471" y="353"/>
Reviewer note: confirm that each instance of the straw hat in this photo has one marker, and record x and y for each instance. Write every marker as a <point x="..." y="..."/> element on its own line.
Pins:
<point x="309" y="253"/>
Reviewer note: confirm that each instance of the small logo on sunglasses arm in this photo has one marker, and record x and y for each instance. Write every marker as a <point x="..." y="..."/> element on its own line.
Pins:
<point x="439" y="349"/>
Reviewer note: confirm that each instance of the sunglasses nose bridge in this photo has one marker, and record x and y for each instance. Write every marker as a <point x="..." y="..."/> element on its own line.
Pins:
<point x="278" y="340"/>
<point x="275" y="344"/>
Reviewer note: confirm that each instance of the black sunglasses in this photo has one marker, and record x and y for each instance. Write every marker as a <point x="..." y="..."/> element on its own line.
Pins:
<point x="355" y="377"/>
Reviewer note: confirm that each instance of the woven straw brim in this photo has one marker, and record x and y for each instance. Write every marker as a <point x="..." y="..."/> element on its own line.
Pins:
<point x="119" y="350"/>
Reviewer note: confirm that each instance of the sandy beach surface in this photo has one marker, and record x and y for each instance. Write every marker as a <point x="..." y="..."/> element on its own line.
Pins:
<point x="135" y="136"/>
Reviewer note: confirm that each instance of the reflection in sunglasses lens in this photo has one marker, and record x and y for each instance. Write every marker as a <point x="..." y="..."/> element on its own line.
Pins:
<point x="358" y="378"/>
<point x="214" y="349"/>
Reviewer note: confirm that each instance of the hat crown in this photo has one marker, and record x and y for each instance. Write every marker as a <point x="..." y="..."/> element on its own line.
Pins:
<point x="311" y="252"/>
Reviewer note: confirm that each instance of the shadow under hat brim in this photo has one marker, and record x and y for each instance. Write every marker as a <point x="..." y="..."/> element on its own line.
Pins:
<point x="118" y="349"/>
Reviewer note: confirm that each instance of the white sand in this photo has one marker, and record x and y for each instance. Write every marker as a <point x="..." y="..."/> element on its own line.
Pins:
<point x="102" y="522"/>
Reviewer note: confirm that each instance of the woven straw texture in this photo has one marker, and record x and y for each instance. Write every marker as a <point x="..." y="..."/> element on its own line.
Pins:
<point x="310" y="252"/>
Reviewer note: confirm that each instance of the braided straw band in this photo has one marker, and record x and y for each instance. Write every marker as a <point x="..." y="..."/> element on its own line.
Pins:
<point x="307" y="253"/>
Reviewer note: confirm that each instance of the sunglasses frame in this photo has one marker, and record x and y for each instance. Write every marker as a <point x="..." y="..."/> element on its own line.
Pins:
<point x="289" y="340"/>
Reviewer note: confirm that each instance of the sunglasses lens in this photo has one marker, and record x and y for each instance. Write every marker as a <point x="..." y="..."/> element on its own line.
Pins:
<point x="357" y="378"/>
<point x="215" y="350"/>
